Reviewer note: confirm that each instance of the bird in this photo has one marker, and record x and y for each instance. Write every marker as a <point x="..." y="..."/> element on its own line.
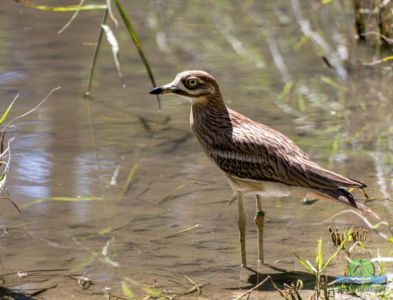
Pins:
<point x="256" y="159"/>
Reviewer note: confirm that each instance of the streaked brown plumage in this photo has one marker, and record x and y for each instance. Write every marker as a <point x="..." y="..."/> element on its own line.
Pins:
<point x="256" y="158"/>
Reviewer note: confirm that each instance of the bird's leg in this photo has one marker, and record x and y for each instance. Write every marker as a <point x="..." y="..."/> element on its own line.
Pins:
<point x="241" y="222"/>
<point x="259" y="221"/>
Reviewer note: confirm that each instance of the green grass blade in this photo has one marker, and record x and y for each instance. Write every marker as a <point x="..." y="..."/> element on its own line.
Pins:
<point x="127" y="291"/>
<point x="130" y="176"/>
<point x="5" y="114"/>
<point x="3" y="178"/>
<point x="66" y="199"/>
<point x="174" y="191"/>
<point x="182" y="231"/>
<point x="63" y="8"/>
<point x="319" y="256"/>
<point x="387" y="58"/>
<point x="306" y="264"/>
<point x="137" y="43"/>
<point x="83" y="263"/>
<point x="332" y="83"/>
<point x="338" y="250"/>
<point x="153" y="292"/>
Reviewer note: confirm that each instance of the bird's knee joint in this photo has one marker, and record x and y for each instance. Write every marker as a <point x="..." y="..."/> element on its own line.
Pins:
<point x="241" y="222"/>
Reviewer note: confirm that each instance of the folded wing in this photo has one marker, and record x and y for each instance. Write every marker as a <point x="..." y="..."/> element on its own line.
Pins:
<point x="257" y="152"/>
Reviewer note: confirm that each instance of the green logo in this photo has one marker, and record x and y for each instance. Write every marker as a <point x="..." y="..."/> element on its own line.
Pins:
<point x="360" y="267"/>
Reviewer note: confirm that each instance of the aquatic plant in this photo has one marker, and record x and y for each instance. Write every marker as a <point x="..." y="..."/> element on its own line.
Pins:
<point x="320" y="266"/>
<point x="290" y="291"/>
<point x="5" y="155"/>
<point x="104" y="28"/>
<point x="5" y="143"/>
<point x="357" y="237"/>
<point x="374" y="18"/>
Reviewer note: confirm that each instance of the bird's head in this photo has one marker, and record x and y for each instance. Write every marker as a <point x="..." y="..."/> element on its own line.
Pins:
<point x="195" y="86"/>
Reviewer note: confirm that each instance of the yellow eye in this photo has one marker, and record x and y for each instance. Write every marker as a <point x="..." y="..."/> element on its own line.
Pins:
<point x="192" y="83"/>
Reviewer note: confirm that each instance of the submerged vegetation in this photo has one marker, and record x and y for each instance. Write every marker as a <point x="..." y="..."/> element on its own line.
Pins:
<point x="374" y="19"/>
<point x="104" y="29"/>
<point x="5" y="156"/>
<point x="6" y="142"/>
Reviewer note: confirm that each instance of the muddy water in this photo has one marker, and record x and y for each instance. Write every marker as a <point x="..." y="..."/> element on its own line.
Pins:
<point x="85" y="149"/>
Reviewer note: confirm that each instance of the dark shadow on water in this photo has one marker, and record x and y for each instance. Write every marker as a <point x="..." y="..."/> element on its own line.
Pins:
<point x="9" y="294"/>
<point x="280" y="277"/>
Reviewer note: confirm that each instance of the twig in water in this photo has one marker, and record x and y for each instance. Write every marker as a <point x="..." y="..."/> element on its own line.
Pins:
<point x="195" y="287"/>
<point x="253" y="289"/>
<point x="388" y="40"/>
<point x="13" y="204"/>
<point x="130" y="177"/>
<point x="7" y="126"/>
<point x="379" y="61"/>
<point x="111" y="38"/>
<point x="95" y="55"/>
<point x="109" y="5"/>
<point x="182" y="231"/>
<point x="74" y="15"/>
<point x="115" y="175"/>
<point x="175" y="190"/>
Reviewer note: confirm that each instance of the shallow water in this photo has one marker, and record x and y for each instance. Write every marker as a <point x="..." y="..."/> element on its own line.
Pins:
<point x="72" y="147"/>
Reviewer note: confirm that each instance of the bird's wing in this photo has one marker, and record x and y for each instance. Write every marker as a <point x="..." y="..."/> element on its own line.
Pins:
<point x="256" y="152"/>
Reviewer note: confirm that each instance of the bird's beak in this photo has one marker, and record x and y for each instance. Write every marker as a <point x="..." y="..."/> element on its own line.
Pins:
<point x="165" y="89"/>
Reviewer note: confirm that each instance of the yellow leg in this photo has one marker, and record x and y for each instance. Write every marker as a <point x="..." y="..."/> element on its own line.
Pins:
<point x="259" y="221"/>
<point x="242" y="228"/>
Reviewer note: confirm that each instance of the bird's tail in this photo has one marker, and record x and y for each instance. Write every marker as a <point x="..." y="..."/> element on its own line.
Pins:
<point x="344" y="196"/>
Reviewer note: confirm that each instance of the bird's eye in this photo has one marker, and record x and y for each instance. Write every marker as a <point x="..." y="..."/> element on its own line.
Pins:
<point x="192" y="83"/>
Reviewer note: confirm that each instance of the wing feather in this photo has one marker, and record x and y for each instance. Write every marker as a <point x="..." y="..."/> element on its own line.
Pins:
<point x="254" y="151"/>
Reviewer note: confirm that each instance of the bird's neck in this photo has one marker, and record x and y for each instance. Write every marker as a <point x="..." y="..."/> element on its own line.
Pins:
<point x="209" y="118"/>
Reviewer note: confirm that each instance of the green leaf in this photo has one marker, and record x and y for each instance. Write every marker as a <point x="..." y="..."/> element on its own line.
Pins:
<point x="319" y="256"/>
<point x="3" y="176"/>
<point x="387" y="58"/>
<point x="63" y="8"/>
<point x="105" y="230"/>
<point x="331" y="82"/>
<point x="301" y="103"/>
<point x="306" y="264"/>
<point x="83" y="263"/>
<point x="153" y="293"/>
<point x="285" y="90"/>
<point x="130" y="177"/>
<point x="5" y="114"/>
<point x="127" y="291"/>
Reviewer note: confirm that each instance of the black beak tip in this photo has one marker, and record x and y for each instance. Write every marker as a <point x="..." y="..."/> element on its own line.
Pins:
<point x="156" y="91"/>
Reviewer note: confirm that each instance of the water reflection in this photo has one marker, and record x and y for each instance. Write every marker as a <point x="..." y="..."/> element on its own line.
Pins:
<point x="9" y="77"/>
<point x="268" y="63"/>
